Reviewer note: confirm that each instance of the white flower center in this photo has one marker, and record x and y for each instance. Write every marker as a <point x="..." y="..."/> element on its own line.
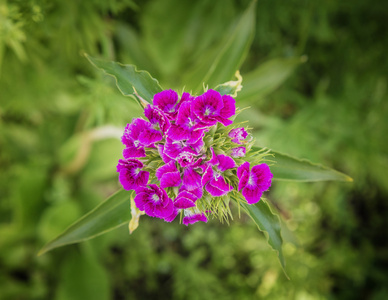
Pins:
<point x="250" y="180"/>
<point x="191" y="123"/>
<point x="207" y="111"/>
<point x="216" y="173"/>
<point x="155" y="198"/>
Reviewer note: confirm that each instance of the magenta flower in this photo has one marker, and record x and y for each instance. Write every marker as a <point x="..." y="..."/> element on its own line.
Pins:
<point x="254" y="182"/>
<point x="167" y="101"/>
<point x="238" y="152"/>
<point x="168" y="175"/>
<point x="211" y="108"/>
<point x="154" y="202"/>
<point x="137" y="135"/>
<point x="213" y="179"/>
<point x="238" y="134"/>
<point x="193" y="217"/>
<point x="131" y="177"/>
<point x="157" y="118"/>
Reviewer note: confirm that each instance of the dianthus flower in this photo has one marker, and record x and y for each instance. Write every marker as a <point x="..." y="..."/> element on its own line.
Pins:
<point x="131" y="177"/>
<point x="184" y="159"/>
<point x="213" y="179"/>
<point x="238" y="152"/>
<point x="238" y="134"/>
<point x="154" y="201"/>
<point x="211" y="108"/>
<point x="253" y="182"/>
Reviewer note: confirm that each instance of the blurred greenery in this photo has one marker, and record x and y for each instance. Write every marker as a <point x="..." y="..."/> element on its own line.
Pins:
<point x="316" y="83"/>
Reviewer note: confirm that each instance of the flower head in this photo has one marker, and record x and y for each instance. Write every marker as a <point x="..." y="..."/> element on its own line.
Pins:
<point x="183" y="160"/>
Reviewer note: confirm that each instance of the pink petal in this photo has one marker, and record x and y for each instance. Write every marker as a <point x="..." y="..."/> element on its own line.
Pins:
<point x="131" y="152"/>
<point x="207" y="175"/>
<point x="191" y="179"/>
<point x="171" y="217"/>
<point x="252" y="195"/>
<point x="183" y="203"/>
<point x="243" y="180"/>
<point x="150" y="136"/>
<point x="225" y="162"/>
<point x="141" y="199"/>
<point x="184" y="113"/>
<point x="229" y="108"/>
<point x="263" y="176"/>
<point x="243" y="168"/>
<point x="178" y="133"/>
<point x="191" y="219"/>
<point x="195" y="136"/>
<point x="170" y="179"/>
<point x="224" y="121"/>
<point x="164" y="157"/>
<point x="170" y="167"/>
<point x="218" y="187"/>
<point x="164" y="211"/>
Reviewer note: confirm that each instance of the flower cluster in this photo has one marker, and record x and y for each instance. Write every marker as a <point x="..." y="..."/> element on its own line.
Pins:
<point x="188" y="158"/>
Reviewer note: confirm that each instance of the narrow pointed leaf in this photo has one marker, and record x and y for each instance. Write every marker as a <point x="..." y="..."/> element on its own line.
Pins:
<point x="268" y="223"/>
<point x="267" y="78"/>
<point x="288" y="168"/>
<point x="110" y="214"/>
<point x="231" y="54"/>
<point x="129" y="79"/>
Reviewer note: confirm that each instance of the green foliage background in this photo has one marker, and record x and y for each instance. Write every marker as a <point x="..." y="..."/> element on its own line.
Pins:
<point x="321" y="68"/>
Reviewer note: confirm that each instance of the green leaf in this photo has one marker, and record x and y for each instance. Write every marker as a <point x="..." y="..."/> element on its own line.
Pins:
<point x="288" y="168"/>
<point x="128" y="79"/>
<point x="267" y="78"/>
<point x="231" y="54"/>
<point x="268" y="223"/>
<point x="110" y="214"/>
